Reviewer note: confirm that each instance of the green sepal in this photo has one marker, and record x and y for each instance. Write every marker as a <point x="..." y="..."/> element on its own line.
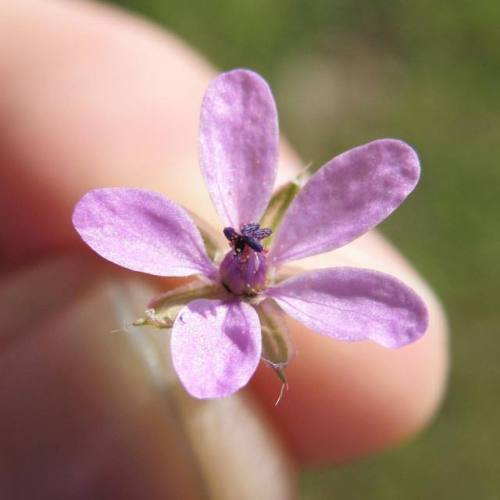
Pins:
<point x="163" y="309"/>
<point x="281" y="200"/>
<point x="215" y="244"/>
<point x="277" y="207"/>
<point x="277" y="348"/>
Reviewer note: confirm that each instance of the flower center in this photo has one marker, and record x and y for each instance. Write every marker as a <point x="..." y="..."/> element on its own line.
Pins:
<point x="243" y="270"/>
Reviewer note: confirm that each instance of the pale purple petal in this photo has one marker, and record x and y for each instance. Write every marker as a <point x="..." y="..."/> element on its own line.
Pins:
<point x="141" y="230"/>
<point x="216" y="347"/>
<point x="354" y="304"/>
<point x="239" y="145"/>
<point x="348" y="196"/>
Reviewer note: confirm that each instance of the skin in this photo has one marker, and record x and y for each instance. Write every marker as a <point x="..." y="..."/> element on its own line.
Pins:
<point x="92" y="97"/>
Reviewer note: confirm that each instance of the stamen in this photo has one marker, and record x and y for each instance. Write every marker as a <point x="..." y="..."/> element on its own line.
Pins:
<point x="251" y="235"/>
<point x="253" y="230"/>
<point x="253" y="244"/>
<point x="230" y="233"/>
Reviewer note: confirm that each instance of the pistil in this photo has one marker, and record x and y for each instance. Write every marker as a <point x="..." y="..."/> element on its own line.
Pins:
<point x="243" y="270"/>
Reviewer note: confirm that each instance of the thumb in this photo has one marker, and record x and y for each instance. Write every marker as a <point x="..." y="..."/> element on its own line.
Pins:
<point x="91" y="413"/>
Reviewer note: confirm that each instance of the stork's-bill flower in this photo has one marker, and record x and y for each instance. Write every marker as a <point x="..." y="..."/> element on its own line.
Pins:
<point x="232" y="314"/>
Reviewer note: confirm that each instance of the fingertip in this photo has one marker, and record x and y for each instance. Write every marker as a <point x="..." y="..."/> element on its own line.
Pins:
<point x="350" y="400"/>
<point x="347" y="400"/>
<point x="96" y="98"/>
<point x="92" y="97"/>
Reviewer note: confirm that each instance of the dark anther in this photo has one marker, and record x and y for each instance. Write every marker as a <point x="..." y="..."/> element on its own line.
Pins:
<point x="253" y="243"/>
<point x="251" y="234"/>
<point x="253" y="230"/>
<point x="230" y="233"/>
<point x="248" y="229"/>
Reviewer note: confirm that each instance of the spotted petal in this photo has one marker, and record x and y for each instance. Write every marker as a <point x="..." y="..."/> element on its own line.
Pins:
<point x="348" y="196"/>
<point x="239" y="145"/>
<point x="216" y="347"/>
<point x="141" y="230"/>
<point x="354" y="304"/>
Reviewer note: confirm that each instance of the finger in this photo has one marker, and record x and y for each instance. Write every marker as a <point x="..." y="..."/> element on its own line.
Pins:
<point x="88" y="412"/>
<point x="127" y="114"/>
<point x="352" y="399"/>
<point x="91" y="97"/>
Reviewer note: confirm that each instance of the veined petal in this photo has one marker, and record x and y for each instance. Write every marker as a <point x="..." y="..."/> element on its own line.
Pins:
<point x="239" y="145"/>
<point x="141" y="230"/>
<point x="216" y="347"/>
<point x="354" y="304"/>
<point x="345" y="198"/>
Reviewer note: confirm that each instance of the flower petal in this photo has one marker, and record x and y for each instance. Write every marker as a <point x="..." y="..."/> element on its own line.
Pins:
<point x="354" y="304"/>
<point x="216" y="347"/>
<point x="141" y="230"/>
<point x="239" y="145"/>
<point x="348" y="196"/>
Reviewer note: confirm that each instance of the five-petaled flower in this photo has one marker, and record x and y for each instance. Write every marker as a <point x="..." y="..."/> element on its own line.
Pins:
<point x="217" y="327"/>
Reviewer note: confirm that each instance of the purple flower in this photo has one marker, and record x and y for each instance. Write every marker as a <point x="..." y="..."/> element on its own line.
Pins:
<point x="217" y="325"/>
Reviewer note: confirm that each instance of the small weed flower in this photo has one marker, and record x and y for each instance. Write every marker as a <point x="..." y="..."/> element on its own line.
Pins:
<point x="232" y="314"/>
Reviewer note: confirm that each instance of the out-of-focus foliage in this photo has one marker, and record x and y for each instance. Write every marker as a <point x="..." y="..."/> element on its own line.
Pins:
<point x="345" y="72"/>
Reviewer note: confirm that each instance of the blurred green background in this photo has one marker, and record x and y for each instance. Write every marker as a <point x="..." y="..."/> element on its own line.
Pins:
<point x="345" y="72"/>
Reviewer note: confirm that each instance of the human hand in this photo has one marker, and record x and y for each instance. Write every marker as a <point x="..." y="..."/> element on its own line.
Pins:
<point x="94" y="98"/>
